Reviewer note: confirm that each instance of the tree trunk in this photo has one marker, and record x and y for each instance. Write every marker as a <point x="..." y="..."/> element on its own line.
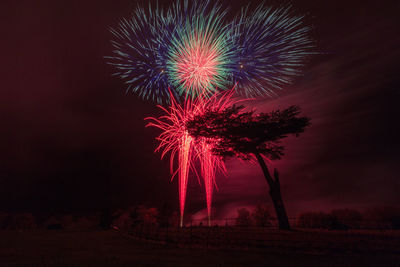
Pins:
<point x="275" y="193"/>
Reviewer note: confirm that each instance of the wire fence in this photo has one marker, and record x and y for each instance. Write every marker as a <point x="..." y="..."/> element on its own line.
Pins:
<point x="225" y="234"/>
<point x="315" y="223"/>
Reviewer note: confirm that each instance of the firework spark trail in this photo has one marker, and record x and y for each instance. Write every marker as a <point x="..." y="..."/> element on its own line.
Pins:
<point x="196" y="65"/>
<point x="200" y="54"/>
<point x="210" y="163"/>
<point x="182" y="49"/>
<point x="184" y="162"/>
<point x="271" y="47"/>
<point x="140" y="52"/>
<point x="193" y="49"/>
<point x="207" y="162"/>
<point x="190" y="52"/>
<point x="176" y="139"/>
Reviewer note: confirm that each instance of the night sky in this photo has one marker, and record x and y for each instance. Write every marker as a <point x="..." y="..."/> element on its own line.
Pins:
<point x="72" y="140"/>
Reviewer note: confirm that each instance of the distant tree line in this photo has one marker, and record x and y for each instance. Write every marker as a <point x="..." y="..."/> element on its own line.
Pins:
<point x="260" y="216"/>
<point x="337" y="219"/>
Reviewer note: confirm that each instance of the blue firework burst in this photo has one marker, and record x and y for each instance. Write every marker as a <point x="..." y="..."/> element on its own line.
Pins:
<point x="140" y="52"/>
<point x="158" y="51"/>
<point x="144" y="44"/>
<point x="271" y="46"/>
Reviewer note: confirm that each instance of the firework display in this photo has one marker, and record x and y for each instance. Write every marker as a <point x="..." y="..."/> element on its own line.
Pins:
<point x="210" y="163"/>
<point x="192" y="49"/>
<point x="200" y="55"/>
<point x="182" y="50"/>
<point x="140" y="50"/>
<point x="176" y="140"/>
<point x="271" y="46"/>
<point x="186" y="56"/>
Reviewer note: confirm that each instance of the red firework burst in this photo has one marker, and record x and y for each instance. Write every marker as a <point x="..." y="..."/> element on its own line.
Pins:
<point x="197" y="65"/>
<point x="175" y="139"/>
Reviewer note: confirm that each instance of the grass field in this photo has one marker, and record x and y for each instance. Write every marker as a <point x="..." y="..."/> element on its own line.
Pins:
<point x="110" y="248"/>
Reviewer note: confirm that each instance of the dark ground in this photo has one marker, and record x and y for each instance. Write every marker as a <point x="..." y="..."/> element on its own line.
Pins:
<point x="109" y="248"/>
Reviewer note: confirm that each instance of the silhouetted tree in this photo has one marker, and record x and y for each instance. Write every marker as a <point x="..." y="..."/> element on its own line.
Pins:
<point x="246" y="135"/>
<point x="106" y="218"/>
<point x="243" y="218"/>
<point x="261" y="216"/>
<point x="386" y="215"/>
<point x="348" y="217"/>
<point x="317" y="220"/>
<point x="164" y="215"/>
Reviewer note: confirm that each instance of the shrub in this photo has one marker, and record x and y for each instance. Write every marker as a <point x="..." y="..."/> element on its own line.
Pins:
<point x="261" y="216"/>
<point x="348" y="217"/>
<point x="386" y="216"/>
<point x="243" y="218"/>
<point x="25" y="221"/>
<point x="317" y="220"/>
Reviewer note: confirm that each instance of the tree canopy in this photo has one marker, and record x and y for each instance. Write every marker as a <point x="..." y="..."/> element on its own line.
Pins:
<point x="244" y="134"/>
